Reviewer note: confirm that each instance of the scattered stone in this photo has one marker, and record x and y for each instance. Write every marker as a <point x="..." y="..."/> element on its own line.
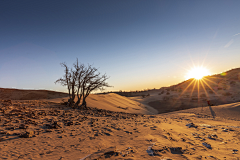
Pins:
<point x="225" y="130"/>
<point x="183" y="139"/>
<point x="27" y="134"/>
<point x="235" y="151"/>
<point x="176" y="150"/>
<point x="77" y="123"/>
<point x="213" y="136"/>
<point x="48" y="130"/>
<point x="3" y="132"/>
<point x="69" y="123"/>
<point x="23" y="126"/>
<point x="150" y="151"/>
<point x="207" y="145"/>
<point x="55" y="125"/>
<point x="107" y="153"/>
<point x="128" y="132"/>
<point x="189" y="125"/>
<point x="10" y="128"/>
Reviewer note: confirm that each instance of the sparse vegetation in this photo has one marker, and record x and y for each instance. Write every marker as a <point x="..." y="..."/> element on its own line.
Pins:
<point x="81" y="80"/>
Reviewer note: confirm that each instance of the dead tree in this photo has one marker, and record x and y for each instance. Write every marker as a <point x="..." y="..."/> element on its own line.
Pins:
<point x="81" y="81"/>
<point x="92" y="80"/>
<point x="67" y="80"/>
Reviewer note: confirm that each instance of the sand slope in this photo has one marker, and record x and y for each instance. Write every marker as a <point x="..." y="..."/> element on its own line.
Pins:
<point x="218" y="89"/>
<point x="225" y="112"/>
<point x="113" y="102"/>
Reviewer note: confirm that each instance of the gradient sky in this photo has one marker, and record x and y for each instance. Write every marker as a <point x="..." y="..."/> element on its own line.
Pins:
<point x="140" y="44"/>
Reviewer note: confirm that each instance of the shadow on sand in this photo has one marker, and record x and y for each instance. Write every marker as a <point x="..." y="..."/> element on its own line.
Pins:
<point x="212" y="112"/>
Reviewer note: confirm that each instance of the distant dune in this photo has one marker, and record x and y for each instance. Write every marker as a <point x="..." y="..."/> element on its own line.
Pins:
<point x="112" y="102"/>
<point x="218" y="89"/>
<point x="20" y="94"/>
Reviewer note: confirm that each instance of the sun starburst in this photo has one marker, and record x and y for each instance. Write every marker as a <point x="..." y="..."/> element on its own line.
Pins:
<point x="197" y="86"/>
<point x="197" y="73"/>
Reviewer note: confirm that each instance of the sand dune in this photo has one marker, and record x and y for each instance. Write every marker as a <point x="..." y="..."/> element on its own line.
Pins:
<point x="219" y="89"/>
<point x="112" y="102"/>
<point x="20" y="94"/>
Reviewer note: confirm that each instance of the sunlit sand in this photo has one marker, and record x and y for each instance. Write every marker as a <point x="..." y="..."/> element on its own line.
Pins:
<point x="169" y="123"/>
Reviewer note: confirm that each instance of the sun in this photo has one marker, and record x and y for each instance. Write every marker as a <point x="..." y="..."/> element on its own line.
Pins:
<point x="197" y="73"/>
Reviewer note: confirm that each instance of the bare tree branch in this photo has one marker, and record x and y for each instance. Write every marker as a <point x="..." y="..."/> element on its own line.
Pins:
<point x="81" y="81"/>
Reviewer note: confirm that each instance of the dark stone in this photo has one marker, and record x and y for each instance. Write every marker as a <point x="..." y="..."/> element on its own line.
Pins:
<point x="23" y="126"/>
<point x="69" y="123"/>
<point x="207" y="145"/>
<point x="29" y="134"/>
<point x="176" y="150"/>
<point x="191" y="125"/>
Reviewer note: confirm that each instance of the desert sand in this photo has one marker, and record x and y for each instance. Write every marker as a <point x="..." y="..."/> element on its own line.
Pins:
<point x="41" y="129"/>
<point x="166" y="124"/>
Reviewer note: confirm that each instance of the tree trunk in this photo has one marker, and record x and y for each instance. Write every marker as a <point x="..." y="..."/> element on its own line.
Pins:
<point x="70" y="102"/>
<point x="84" y="103"/>
<point x="77" y="103"/>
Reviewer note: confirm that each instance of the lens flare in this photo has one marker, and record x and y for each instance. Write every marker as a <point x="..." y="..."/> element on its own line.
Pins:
<point x="223" y="74"/>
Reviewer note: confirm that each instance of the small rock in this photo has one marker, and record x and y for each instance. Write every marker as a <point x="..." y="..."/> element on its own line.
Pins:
<point x="213" y="136"/>
<point x="207" y="145"/>
<point x="48" y="130"/>
<point x="23" y="126"/>
<point x="69" y="123"/>
<point x="176" y="150"/>
<point x="189" y="125"/>
<point x="234" y="151"/>
<point x="10" y="128"/>
<point x="27" y="134"/>
<point x="225" y="130"/>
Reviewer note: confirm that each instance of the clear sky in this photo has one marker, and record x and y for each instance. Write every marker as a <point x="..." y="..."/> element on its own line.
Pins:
<point x="138" y="43"/>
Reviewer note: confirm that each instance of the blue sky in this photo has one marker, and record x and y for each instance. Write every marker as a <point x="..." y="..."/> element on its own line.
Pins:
<point x="140" y="44"/>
